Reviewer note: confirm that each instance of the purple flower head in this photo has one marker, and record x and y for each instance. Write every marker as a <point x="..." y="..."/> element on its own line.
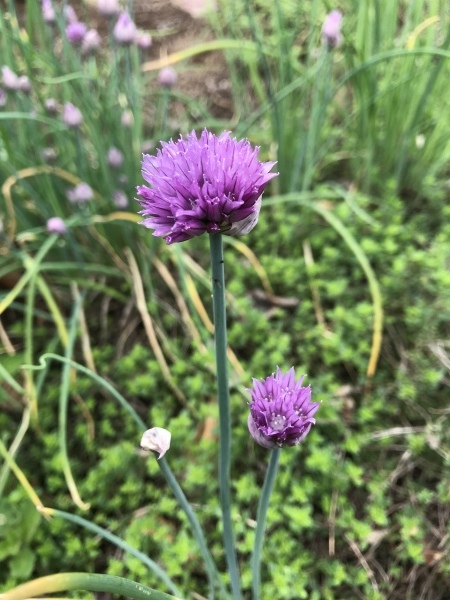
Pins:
<point x="115" y="158"/>
<point x="69" y="14"/>
<point x="91" y="41"/>
<point x="281" y="411"/>
<point x="125" y="29"/>
<point x="48" y="12"/>
<point x="167" y="77"/>
<point x="201" y="185"/>
<point x="108" y="7"/>
<point x="56" y="225"/>
<point x="331" y="30"/>
<point x="120" y="199"/>
<point x="9" y="79"/>
<point x="71" y="115"/>
<point x="143" y="40"/>
<point x="80" y="194"/>
<point x="75" y="32"/>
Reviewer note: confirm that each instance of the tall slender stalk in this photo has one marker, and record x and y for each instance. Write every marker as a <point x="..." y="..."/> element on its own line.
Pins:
<point x="220" y="339"/>
<point x="261" y="517"/>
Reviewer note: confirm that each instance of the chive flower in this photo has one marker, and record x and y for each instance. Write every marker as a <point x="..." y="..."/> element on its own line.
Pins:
<point x="48" y="12"/>
<point x="56" y="225"/>
<point x="75" y="32"/>
<point x="281" y="411"/>
<point x="71" y="115"/>
<point x="108" y="8"/>
<point x="91" y="41"/>
<point x="125" y="29"/>
<point x="80" y="194"/>
<point x="114" y="158"/>
<point x="331" y="30"/>
<point x="209" y="184"/>
<point x="167" y="77"/>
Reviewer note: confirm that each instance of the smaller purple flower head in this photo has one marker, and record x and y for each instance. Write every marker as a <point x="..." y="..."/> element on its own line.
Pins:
<point x="48" y="12"/>
<point x="120" y="199"/>
<point x="125" y="29"/>
<point x="69" y="14"/>
<point x="115" y="158"/>
<point x="75" y="32"/>
<point x="51" y="106"/>
<point x="202" y="185"/>
<point x="143" y="40"/>
<point x="3" y="97"/>
<point x="91" y="41"/>
<point x="9" y="79"/>
<point x="71" y="115"/>
<point x="167" y="77"/>
<point x="331" y="30"/>
<point x="56" y="225"/>
<point x="281" y="411"/>
<point x="108" y="8"/>
<point x="80" y="194"/>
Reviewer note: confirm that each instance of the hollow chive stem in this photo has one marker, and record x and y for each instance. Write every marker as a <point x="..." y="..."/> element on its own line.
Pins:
<point x="220" y="339"/>
<point x="261" y="517"/>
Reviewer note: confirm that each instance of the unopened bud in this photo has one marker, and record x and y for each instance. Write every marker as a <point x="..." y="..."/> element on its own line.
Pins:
<point x="156" y="439"/>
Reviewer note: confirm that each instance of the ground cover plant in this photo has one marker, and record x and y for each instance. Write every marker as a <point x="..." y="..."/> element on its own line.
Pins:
<point x="105" y="328"/>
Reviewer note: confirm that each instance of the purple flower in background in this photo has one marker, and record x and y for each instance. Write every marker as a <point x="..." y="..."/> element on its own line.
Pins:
<point x="3" y="97"/>
<point x="24" y="84"/>
<point x="281" y="411"/>
<point x="91" y="41"/>
<point x="127" y="118"/>
<point x="202" y="185"/>
<point x="51" y="106"/>
<point x="75" y="32"/>
<point x="48" y="12"/>
<point x="143" y="40"/>
<point x="125" y="29"/>
<point x="331" y="30"/>
<point x="69" y="14"/>
<point x="115" y="158"/>
<point x="71" y="115"/>
<point x="56" y="225"/>
<point x="120" y="199"/>
<point x="108" y="7"/>
<point x="80" y="194"/>
<point x="167" y="77"/>
<point x="9" y="79"/>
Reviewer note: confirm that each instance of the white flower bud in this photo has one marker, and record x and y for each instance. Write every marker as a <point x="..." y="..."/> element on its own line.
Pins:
<point x="156" y="439"/>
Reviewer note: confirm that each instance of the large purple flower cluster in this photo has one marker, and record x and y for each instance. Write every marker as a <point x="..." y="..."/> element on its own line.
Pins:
<point x="202" y="185"/>
<point x="281" y="411"/>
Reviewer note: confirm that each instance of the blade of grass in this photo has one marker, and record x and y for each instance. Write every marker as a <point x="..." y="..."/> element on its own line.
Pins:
<point x="88" y="582"/>
<point x="63" y="408"/>
<point x="148" y="325"/>
<point x="359" y="254"/>
<point x="117" y="541"/>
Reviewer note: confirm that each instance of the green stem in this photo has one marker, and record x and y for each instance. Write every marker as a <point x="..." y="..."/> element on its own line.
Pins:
<point x="213" y="574"/>
<point x="266" y="492"/>
<point x="220" y="339"/>
<point x="85" y="581"/>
